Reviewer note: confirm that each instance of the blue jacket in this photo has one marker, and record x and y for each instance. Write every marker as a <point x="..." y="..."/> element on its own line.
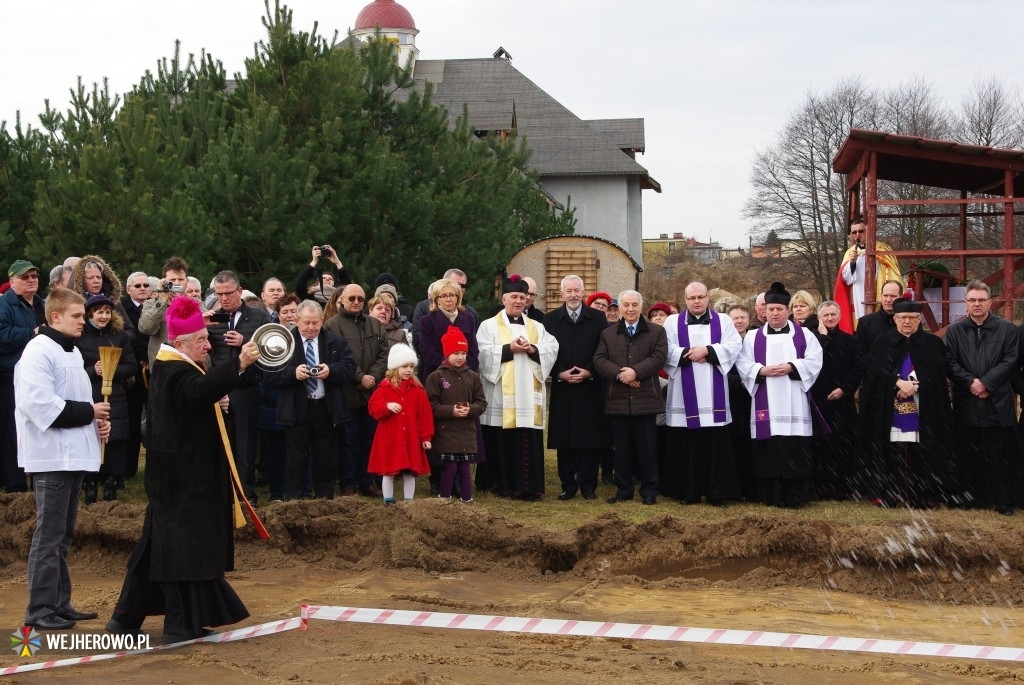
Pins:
<point x="17" y="322"/>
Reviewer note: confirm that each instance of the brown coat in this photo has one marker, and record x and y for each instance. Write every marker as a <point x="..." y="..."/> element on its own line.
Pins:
<point x="645" y="353"/>
<point x="445" y="387"/>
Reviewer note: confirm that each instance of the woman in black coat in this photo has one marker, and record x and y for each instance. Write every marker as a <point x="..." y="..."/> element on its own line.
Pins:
<point x="105" y="328"/>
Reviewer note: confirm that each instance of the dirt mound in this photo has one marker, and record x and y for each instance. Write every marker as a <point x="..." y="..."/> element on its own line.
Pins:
<point x="946" y="560"/>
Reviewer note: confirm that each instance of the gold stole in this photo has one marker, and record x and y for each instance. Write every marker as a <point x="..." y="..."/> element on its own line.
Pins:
<point x="508" y="380"/>
<point x="166" y="356"/>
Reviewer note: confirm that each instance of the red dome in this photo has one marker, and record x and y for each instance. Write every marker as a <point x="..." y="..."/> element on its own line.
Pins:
<point x="387" y="13"/>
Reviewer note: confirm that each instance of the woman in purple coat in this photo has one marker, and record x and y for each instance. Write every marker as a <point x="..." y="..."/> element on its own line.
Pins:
<point x="445" y="310"/>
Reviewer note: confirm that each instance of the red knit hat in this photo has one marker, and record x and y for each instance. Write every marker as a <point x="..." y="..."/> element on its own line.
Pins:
<point x="453" y="341"/>
<point x="184" y="317"/>
<point x="597" y="295"/>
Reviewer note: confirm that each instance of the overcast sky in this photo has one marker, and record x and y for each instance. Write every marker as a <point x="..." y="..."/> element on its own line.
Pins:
<point x="715" y="80"/>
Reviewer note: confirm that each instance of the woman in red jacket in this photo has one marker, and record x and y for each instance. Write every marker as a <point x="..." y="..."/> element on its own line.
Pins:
<point x="405" y="425"/>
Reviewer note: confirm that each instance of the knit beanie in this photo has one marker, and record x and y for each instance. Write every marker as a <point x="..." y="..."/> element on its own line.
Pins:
<point x="400" y="355"/>
<point x="453" y="341"/>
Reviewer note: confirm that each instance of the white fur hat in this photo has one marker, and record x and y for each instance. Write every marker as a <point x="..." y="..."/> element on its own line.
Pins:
<point x="400" y="355"/>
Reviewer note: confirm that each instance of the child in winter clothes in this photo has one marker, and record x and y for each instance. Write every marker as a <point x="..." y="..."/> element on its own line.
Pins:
<point x="457" y="399"/>
<point x="105" y="328"/>
<point x="405" y="425"/>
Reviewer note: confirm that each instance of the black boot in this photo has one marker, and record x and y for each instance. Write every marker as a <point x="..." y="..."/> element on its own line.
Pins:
<point x="90" y="492"/>
<point x="110" y="489"/>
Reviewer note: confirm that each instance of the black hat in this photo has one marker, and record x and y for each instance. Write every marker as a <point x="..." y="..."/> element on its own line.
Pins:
<point x="385" y="277"/>
<point x="514" y="284"/>
<point x="777" y="294"/>
<point x="907" y="305"/>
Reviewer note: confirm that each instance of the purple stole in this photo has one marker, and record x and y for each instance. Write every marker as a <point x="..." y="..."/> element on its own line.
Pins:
<point x="719" y="410"/>
<point x="904" y="413"/>
<point x="762" y="418"/>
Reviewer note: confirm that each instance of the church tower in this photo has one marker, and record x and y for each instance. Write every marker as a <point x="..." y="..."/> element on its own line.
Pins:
<point x="395" y="24"/>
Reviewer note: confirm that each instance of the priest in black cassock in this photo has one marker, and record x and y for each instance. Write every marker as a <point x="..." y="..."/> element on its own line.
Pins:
<point x="187" y="543"/>
<point x="904" y="405"/>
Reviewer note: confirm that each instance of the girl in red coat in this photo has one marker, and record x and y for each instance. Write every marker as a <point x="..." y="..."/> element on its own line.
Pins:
<point x="405" y="425"/>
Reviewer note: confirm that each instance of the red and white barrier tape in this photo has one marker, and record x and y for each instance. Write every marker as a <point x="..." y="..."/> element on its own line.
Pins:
<point x="636" y="631"/>
<point x="551" y="626"/>
<point x="230" y="636"/>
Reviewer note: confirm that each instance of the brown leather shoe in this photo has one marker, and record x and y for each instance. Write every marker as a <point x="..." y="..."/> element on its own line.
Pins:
<point x="348" y="491"/>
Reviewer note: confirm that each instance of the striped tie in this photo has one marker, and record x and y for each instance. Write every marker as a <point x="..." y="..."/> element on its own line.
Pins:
<point x="631" y="330"/>
<point x="311" y="363"/>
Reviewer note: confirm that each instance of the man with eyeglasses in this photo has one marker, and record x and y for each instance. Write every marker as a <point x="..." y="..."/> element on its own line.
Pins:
<point x="22" y="313"/>
<point x="906" y="414"/>
<point x="369" y="344"/>
<point x="226" y="340"/>
<point x="850" y="280"/>
<point x="702" y="347"/>
<point x="981" y="358"/>
<point x="135" y="297"/>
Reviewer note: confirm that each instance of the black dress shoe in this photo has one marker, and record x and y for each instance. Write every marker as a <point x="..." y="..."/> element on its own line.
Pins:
<point x="589" y="495"/>
<point x="113" y="626"/>
<point x="172" y="636"/>
<point x="650" y="500"/>
<point x="76" y="615"/>
<point x="616" y="499"/>
<point x="566" y="496"/>
<point x="51" y="622"/>
<point x="1005" y="511"/>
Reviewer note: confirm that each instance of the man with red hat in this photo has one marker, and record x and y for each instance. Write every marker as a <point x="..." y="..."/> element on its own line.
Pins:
<point x="187" y="543"/>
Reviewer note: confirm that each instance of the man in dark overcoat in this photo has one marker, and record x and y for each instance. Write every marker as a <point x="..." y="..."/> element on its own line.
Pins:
<point x="577" y="405"/>
<point x="906" y="415"/>
<point x="187" y="544"/>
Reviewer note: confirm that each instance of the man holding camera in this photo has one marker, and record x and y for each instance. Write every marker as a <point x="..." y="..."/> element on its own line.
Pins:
<point x="322" y="290"/>
<point x="152" y="320"/>
<point x="231" y="326"/>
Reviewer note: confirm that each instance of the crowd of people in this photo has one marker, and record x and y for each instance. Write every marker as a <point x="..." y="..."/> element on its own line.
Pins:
<point x="789" y="402"/>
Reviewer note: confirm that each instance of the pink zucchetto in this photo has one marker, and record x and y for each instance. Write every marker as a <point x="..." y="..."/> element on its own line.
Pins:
<point x="184" y="317"/>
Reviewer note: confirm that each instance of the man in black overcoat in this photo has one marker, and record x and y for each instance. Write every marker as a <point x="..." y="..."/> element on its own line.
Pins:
<point x="187" y="543"/>
<point x="577" y="404"/>
<point x="906" y="413"/>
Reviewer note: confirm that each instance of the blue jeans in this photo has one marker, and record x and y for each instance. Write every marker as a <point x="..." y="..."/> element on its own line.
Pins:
<point x="49" y="581"/>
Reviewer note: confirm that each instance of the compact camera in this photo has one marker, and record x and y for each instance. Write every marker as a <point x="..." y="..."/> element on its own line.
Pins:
<point x="169" y="287"/>
<point x="326" y="252"/>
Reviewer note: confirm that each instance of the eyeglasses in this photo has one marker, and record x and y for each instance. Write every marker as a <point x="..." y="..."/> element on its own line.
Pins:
<point x="696" y="298"/>
<point x="356" y="298"/>
<point x="226" y="293"/>
<point x="977" y="300"/>
<point x="447" y="295"/>
<point x="140" y="285"/>
<point x="532" y="294"/>
<point x="29" y="277"/>
<point x="857" y="232"/>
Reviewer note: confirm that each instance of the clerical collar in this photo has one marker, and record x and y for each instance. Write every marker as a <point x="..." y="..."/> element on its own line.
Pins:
<point x="772" y="331"/>
<point x="702" y="320"/>
<point x="56" y="336"/>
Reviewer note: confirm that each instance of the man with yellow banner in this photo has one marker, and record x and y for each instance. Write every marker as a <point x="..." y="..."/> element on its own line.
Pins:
<point x="516" y="355"/>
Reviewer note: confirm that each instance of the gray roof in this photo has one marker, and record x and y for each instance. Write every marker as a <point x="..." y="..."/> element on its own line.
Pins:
<point x="497" y="95"/>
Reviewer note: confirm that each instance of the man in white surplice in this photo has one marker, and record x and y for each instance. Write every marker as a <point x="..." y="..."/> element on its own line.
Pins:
<point x="516" y="356"/>
<point x="702" y="348"/>
<point x="779" y="363"/>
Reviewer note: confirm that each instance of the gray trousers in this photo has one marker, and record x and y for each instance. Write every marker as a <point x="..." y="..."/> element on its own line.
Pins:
<point x="49" y="581"/>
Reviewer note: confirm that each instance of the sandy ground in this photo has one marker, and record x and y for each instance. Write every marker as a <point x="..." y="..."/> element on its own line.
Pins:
<point x="946" y="577"/>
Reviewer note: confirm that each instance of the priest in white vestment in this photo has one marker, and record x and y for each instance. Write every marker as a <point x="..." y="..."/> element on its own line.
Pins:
<point x="702" y="347"/>
<point x="778" y="364"/>
<point x="516" y="356"/>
